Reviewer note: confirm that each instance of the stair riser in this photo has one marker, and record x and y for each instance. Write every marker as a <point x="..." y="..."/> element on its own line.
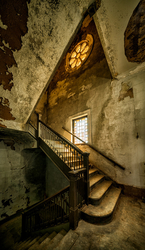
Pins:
<point x="96" y="220"/>
<point x="95" y="184"/>
<point x="96" y="202"/>
<point x="92" y="174"/>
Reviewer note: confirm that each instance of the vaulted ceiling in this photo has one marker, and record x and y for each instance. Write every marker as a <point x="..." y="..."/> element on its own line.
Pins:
<point x="35" y="36"/>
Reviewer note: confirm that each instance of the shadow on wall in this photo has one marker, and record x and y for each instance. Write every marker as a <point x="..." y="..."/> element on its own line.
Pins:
<point x="35" y="168"/>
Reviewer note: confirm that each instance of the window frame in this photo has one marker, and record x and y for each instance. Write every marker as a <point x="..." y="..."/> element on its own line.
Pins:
<point x="73" y="124"/>
<point x="77" y="116"/>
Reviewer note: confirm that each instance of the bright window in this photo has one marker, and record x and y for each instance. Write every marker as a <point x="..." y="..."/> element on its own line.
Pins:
<point x="80" y="129"/>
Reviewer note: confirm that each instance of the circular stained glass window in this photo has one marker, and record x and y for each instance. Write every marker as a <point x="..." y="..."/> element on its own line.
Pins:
<point x="79" y="54"/>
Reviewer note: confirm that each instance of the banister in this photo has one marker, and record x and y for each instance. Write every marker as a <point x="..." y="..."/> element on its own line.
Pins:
<point x="63" y="138"/>
<point x="46" y="200"/>
<point x="123" y="168"/>
<point x="51" y="211"/>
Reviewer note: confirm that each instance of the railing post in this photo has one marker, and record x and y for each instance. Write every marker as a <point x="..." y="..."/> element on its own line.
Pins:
<point x="73" y="198"/>
<point x="37" y="132"/>
<point x="23" y="226"/>
<point x="87" y="183"/>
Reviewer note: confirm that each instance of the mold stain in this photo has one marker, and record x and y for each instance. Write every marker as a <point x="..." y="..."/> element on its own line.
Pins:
<point x="14" y="15"/>
<point x="4" y="215"/>
<point x="134" y="35"/>
<point x="2" y="126"/>
<point x="9" y="143"/>
<point x="27" y="190"/>
<point x="7" y="202"/>
<point x="125" y="92"/>
<point x="5" y="111"/>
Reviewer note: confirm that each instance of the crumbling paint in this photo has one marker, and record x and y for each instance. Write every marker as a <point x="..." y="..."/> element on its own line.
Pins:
<point x="14" y="15"/>
<point x="9" y="142"/>
<point x="27" y="190"/>
<point x="5" y="110"/>
<point x="7" y="202"/>
<point x="4" y="215"/>
<point x="2" y="126"/>
<point x="134" y="35"/>
<point x="125" y="91"/>
<point x="62" y="85"/>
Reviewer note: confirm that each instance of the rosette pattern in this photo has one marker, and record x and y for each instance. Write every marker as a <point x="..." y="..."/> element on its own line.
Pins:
<point x="78" y="55"/>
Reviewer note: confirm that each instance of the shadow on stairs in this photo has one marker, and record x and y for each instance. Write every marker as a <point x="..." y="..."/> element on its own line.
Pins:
<point x="57" y="241"/>
<point x="103" y="199"/>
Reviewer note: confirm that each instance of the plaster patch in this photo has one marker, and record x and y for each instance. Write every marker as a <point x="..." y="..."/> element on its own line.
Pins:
<point x="3" y="26"/>
<point x="84" y="87"/>
<point x="70" y="95"/>
<point x="59" y="92"/>
<point x="125" y="91"/>
<point x="5" y="111"/>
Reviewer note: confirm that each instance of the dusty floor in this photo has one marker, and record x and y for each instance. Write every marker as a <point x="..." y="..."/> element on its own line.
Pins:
<point x="125" y="232"/>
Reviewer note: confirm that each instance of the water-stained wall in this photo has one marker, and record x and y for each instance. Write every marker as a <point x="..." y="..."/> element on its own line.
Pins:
<point x="22" y="173"/>
<point x="33" y="36"/>
<point x="116" y="111"/>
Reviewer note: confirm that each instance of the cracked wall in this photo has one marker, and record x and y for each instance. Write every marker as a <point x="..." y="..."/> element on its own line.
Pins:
<point x="22" y="173"/>
<point x="33" y="37"/>
<point x="117" y="111"/>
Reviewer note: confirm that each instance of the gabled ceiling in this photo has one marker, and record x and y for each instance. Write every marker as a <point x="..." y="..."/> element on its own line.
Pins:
<point x="35" y="35"/>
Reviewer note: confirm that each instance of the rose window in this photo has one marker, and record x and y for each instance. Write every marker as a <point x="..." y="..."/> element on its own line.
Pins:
<point x="79" y="54"/>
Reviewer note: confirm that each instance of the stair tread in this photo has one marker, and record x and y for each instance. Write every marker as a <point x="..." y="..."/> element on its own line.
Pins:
<point x="92" y="170"/>
<point x="55" y="241"/>
<point x="37" y="243"/>
<point x="96" y="178"/>
<point x="28" y="244"/>
<point x="107" y="205"/>
<point x="46" y="241"/>
<point x="100" y="189"/>
<point x="68" y="241"/>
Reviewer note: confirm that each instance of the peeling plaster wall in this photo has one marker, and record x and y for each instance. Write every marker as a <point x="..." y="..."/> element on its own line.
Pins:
<point x="34" y="35"/>
<point x="117" y="111"/>
<point x="22" y="175"/>
<point x="111" y="21"/>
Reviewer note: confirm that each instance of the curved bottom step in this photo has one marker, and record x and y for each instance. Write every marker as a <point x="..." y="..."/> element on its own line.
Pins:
<point x="102" y="213"/>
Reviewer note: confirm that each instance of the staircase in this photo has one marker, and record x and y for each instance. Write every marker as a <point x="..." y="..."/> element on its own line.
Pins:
<point x="103" y="198"/>
<point x="91" y="195"/>
<point x="62" y="240"/>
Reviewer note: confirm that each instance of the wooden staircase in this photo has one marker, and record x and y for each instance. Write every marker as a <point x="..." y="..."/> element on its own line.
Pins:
<point x="103" y="199"/>
<point x="104" y="193"/>
<point x="92" y="196"/>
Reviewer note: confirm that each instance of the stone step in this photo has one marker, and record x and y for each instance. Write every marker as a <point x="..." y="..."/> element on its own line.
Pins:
<point x="45" y="242"/>
<point x="68" y="241"/>
<point x="29" y="243"/>
<point x="92" y="171"/>
<point x="102" y="213"/>
<point x="38" y="242"/>
<point x="95" y="180"/>
<point x="99" y="191"/>
<point x="55" y="241"/>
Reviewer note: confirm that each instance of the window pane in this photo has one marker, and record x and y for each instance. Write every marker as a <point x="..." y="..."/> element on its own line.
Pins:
<point x="80" y="129"/>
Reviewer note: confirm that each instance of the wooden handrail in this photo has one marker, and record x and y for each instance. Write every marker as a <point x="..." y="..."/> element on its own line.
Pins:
<point x="32" y="220"/>
<point x="46" y="200"/>
<point x="123" y="168"/>
<point x="63" y="138"/>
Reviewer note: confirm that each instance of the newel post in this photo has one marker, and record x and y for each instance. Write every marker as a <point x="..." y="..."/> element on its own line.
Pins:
<point x="37" y="132"/>
<point x="23" y="227"/>
<point x="87" y="183"/>
<point x="73" y="198"/>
